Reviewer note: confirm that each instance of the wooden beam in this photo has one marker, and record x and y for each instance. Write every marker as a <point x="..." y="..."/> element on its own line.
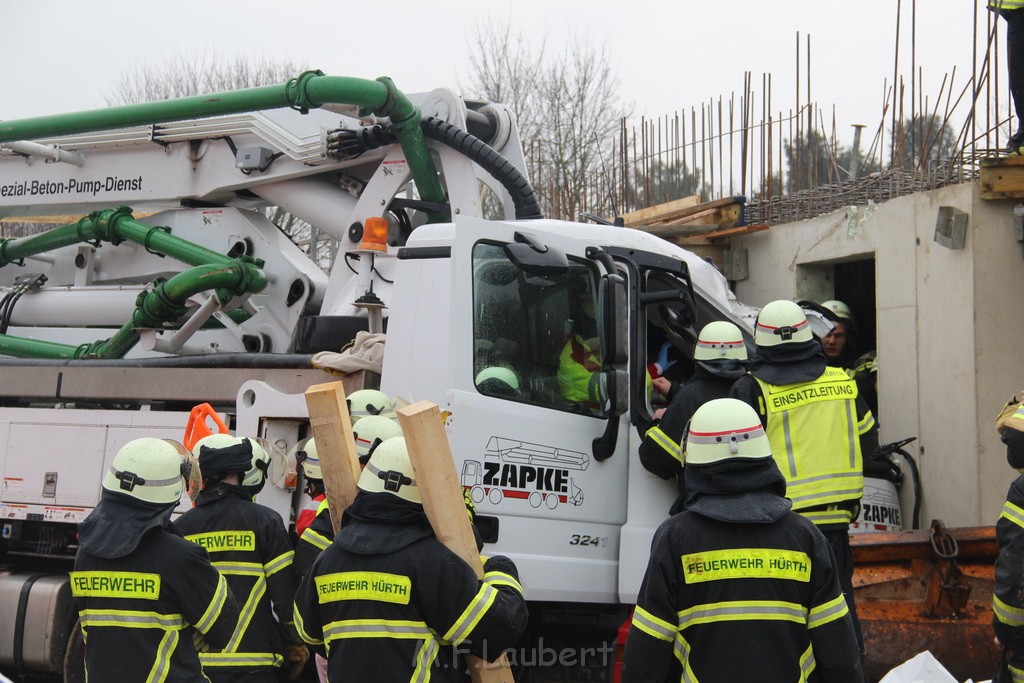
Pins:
<point x="660" y="211"/>
<point x="1002" y="178"/>
<point x="732" y="232"/>
<point x="443" y="502"/>
<point x="335" y="446"/>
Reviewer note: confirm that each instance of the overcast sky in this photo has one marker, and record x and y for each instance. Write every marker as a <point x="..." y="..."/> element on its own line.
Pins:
<point x="64" y="55"/>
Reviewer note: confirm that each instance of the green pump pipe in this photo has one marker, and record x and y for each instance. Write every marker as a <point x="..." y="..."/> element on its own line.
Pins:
<point x="115" y="226"/>
<point x="152" y="309"/>
<point x="309" y="90"/>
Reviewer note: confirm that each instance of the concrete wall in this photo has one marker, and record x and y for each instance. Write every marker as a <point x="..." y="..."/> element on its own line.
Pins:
<point x="945" y="318"/>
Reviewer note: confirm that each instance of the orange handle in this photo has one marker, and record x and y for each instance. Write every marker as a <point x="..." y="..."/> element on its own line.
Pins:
<point x="197" y="427"/>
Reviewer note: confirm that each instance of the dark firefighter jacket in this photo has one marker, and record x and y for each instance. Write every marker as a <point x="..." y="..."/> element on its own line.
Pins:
<point x="1008" y="596"/>
<point x="249" y="546"/>
<point x="661" y="449"/>
<point x="739" y="588"/>
<point x="314" y="539"/>
<point x="388" y="602"/>
<point x="819" y="429"/>
<point x="140" y="611"/>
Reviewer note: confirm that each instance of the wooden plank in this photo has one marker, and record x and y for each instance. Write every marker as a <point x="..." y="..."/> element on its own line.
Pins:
<point x="659" y="211"/>
<point x="1002" y="178"/>
<point x="732" y="232"/>
<point x="731" y="213"/>
<point x="335" y="446"/>
<point x="441" y="492"/>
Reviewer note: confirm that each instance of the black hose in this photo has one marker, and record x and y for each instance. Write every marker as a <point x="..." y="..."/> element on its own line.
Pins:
<point x="8" y="310"/>
<point x="916" y="479"/>
<point x="488" y="158"/>
<point x="347" y="144"/>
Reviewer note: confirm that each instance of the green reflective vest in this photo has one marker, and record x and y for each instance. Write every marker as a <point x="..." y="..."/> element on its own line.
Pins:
<point x="815" y="438"/>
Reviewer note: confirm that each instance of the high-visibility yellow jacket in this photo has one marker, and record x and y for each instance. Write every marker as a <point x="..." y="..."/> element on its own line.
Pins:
<point x="249" y="546"/>
<point x="577" y="367"/>
<point x="388" y="602"/>
<point x="1006" y="4"/>
<point x="314" y="539"/>
<point x="815" y="430"/>
<point x="138" y="612"/>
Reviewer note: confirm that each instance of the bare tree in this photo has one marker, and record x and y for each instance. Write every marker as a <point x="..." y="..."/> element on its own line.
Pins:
<point x="187" y="76"/>
<point x="567" y="105"/>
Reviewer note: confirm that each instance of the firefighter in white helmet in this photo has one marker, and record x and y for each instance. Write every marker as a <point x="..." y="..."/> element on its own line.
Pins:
<point x="720" y="357"/>
<point x="249" y="545"/>
<point x="840" y="345"/>
<point x="1007" y="599"/>
<point x="388" y="602"/>
<point x="140" y="588"/>
<point x="738" y="587"/>
<point x="370" y="402"/>
<point x="820" y="429"/>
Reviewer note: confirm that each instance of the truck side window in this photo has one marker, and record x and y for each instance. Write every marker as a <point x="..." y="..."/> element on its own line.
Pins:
<point x="535" y="338"/>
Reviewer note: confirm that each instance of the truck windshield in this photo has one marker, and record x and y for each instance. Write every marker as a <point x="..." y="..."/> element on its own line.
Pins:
<point x="535" y="337"/>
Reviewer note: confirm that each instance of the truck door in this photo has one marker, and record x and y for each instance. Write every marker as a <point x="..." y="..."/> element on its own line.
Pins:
<point x="528" y="401"/>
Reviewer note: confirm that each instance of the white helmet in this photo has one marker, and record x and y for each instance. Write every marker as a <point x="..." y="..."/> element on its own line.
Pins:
<point x="781" y="322"/>
<point x="718" y="340"/>
<point x="218" y="440"/>
<point x="839" y="309"/>
<point x="310" y="461"/>
<point x="722" y="429"/>
<point x="371" y="431"/>
<point x="390" y="471"/>
<point x="256" y="475"/>
<point x="497" y="381"/>
<point x="148" y="469"/>
<point x="370" y="402"/>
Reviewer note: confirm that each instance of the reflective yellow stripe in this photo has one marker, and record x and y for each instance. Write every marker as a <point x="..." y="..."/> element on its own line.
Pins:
<point x="315" y="539"/>
<point x="246" y="613"/>
<point x="681" y="649"/>
<point x="1014" y="513"/>
<point x="379" y="586"/>
<point x="240" y="659"/>
<point x="107" y="584"/>
<point x="653" y="626"/>
<point x="1006" y="4"/>
<point x="821" y="517"/>
<point x="220" y="596"/>
<point x="807" y="663"/>
<point x="502" y="579"/>
<point x="471" y="616"/>
<point x="131" y="619"/>
<point x="300" y="628"/>
<point x="217" y="541"/>
<point x="659" y="437"/>
<point x="1009" y="615"/>
<point x="376" y="628"/>
<point x="743" y="610"/>
<point x="162" y="665"/>
<point x="746" y="563"/>
<point x="828" y="612"/>
<point x="822" y="489"/>
<point x="866" y="424"/>
<point x="324" y="505"/>
<point x="425" y="656"/>
<point x="239" y="568"/>
<point x="278" y="563"/>
<point x="1016" y="675"/>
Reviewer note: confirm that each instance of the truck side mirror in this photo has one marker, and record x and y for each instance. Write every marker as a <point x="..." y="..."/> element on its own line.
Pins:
<point x="535" y="258"/>
<point x="614" y="318"/>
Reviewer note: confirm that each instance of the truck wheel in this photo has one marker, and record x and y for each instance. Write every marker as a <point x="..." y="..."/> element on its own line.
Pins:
<point x="74" y="656"/>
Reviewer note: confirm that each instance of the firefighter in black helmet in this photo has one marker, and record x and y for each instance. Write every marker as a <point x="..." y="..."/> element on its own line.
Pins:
<point x="388" y="602"/>
<point x="249" y="546"/>
<point x="142" y="590"/>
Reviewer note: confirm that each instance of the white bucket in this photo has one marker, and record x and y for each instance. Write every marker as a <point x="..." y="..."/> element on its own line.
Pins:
<point x="879" y="508"/>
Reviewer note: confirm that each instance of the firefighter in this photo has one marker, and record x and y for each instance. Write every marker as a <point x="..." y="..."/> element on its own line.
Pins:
<point x="370" y="402"/>
<point x="1008" y="595"/>
<point x="142" y="591"/>
<point x="720" y="356"/>
<point x="818" y="427"/>
<point x="738" y="587"/>
<point x="388" y="602"/>
<point x="250" y="547"/>
<point x="317" y="532"/>
<point x="840" y="344"/>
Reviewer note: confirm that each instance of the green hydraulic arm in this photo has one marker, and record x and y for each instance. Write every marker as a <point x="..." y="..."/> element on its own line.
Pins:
<point x="310" y="90"/>
<point x="227" y="276"/>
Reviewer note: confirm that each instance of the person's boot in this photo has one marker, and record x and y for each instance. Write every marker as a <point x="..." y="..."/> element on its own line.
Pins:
<point x="1015" y="146"/>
